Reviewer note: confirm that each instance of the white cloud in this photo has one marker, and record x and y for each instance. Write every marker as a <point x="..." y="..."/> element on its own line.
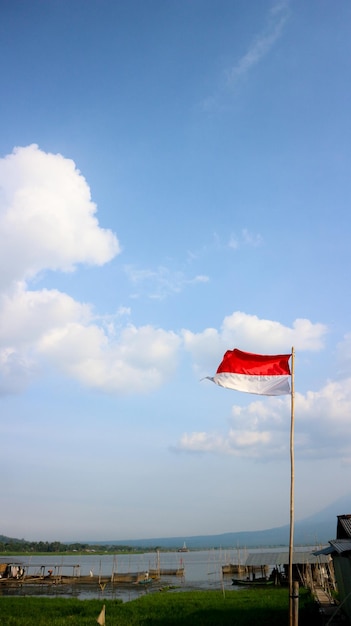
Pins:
<point x="16" y="371"/>
<point x="50" y="328"/>
<point x="244" y="239"/>
<point x="140" y="360"/>
<point x="261" y="429"/>
<point x="262" y="44"/>
<point x="159" y="283"/>
<point x="256" y="431"/>
<point x="26" y="316"/>
<point x="241" y="443"/>
<point x="257" y="50"/>
<point x="47" y="221"/>
<point x="47" y="217"/>
<point x="252" y="334"/>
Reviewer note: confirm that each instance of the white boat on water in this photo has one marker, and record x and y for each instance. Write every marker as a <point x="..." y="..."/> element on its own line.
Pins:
<point x="184" y="548"/>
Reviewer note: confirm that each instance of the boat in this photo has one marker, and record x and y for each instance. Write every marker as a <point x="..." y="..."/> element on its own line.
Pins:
<point x="257" y="582"/>
<point x="144" y="581"/>
<point x="184" y="548"/>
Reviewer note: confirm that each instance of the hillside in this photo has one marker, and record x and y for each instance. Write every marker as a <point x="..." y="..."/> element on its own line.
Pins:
<point x="315" y="530"/>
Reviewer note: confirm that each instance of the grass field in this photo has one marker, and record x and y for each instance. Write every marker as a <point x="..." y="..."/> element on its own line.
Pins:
<point x="247" y="607"/>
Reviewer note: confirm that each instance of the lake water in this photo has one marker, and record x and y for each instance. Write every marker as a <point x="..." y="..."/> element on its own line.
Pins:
<point x="202" y="570"/>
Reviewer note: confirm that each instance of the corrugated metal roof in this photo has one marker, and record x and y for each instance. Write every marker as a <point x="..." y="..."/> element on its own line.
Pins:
<point x="327" y="550"/>
<point x="341" y="545"/>
<point x="337" y="545"/>
<point x="282" y="558"/>
<point x="344" y="526"/>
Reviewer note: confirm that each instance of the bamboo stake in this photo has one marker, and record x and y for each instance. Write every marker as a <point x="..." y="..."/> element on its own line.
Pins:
<point x="292" y="622"/>
<point x="295" y="601"/>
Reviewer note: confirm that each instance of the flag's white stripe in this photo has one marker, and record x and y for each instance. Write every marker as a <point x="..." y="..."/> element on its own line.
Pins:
<point x="262" y="385"/>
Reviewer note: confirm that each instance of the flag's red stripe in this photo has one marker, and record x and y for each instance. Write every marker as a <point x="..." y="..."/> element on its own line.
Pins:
<point x="239" y="362"/>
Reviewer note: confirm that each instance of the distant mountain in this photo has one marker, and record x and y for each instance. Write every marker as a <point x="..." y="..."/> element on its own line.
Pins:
<point x="315" y="530"/>
<point x="5" y="539"/>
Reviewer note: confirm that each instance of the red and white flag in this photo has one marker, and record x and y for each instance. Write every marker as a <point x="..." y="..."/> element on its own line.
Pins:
<point x="266" y="375"/>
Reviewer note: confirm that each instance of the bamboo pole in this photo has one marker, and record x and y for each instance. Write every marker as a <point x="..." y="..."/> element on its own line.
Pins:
<point x="292" y="621"/>
<point x="295" y="601"/>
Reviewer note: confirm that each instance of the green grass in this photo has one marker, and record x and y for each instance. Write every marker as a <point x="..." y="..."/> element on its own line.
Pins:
<point x="259" y="607"/>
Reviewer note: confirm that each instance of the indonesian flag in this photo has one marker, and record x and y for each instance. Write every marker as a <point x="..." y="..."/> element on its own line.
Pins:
<point x="266" y="375"/>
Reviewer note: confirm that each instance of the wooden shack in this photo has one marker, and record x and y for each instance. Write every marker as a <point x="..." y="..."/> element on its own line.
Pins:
<point x="339" y="550"/>
<point x="308" y="569"/>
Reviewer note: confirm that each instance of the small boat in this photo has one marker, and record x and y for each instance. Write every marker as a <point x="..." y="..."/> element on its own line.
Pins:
<point x="257" y="582"/>
<point x="144" y="581"/>
<point x="184" y="548"/>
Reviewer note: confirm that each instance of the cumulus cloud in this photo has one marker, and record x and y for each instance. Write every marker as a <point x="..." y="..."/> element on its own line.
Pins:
<point x="261" y="430"/>
<point x="48" y="221"/>
<point x="250" y="333"/>
<point x="49" y="328"/>
<point x="47" y="217"/>
<point x="138" y="361"/>
<point x="257" y="431"/>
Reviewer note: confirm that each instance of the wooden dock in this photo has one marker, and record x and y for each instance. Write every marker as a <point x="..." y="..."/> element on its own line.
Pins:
<point x="328" y="609"/>
<point x="22" y="575"/>
<point x="86" y="581"/>
<point x="234" y="568"/>
<point x="166" y="571"/>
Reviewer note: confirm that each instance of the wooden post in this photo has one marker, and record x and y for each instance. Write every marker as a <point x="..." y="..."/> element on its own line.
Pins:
<point x="295" y="603"/>
<point x="292" y="621"/>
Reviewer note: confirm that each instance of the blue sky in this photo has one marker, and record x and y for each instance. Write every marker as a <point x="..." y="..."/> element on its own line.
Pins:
<point x="174" y="182"/>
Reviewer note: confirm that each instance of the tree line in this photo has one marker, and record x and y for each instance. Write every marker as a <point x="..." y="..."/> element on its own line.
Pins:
<point x="21" y="545"/>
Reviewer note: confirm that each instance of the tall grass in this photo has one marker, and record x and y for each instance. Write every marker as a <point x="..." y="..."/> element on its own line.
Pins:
<point x="247" y="607"/>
